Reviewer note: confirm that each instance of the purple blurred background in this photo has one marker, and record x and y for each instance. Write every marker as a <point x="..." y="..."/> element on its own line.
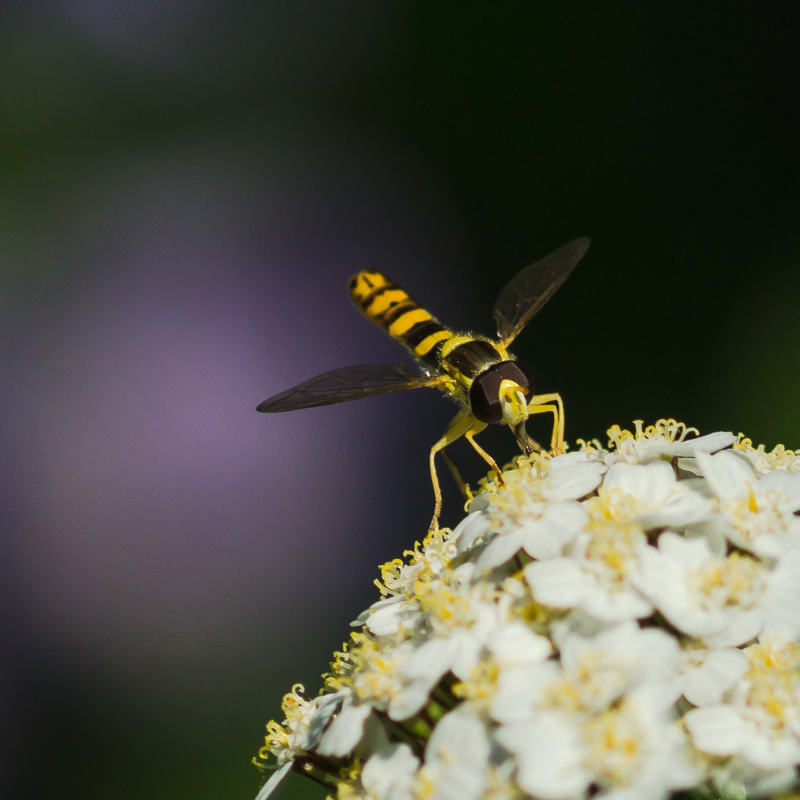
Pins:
<point x="174" y="561"/>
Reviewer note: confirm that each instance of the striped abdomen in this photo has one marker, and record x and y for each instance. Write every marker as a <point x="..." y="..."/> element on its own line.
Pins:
<point x="388" y="306"/>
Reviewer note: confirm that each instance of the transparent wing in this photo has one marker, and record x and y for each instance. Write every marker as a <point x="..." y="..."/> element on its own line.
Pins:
<point x="530" y="289"/>
<point x="347" y="383"/>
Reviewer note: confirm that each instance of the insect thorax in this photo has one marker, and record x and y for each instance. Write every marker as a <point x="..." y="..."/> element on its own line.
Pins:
<point x="465" y="357"/>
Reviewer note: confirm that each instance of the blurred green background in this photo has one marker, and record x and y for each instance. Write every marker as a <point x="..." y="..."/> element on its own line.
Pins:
<point x="186" y="187"/>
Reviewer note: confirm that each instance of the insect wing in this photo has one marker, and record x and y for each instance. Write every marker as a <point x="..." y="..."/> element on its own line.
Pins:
<point x="530" y="289"/>
<point x="347" y="383"/>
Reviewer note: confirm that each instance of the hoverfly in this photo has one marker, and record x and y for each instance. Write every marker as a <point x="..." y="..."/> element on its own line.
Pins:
<point x="479" y="373"/>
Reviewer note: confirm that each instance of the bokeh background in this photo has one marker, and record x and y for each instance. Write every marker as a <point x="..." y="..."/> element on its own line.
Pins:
<point x="186" y="186"/>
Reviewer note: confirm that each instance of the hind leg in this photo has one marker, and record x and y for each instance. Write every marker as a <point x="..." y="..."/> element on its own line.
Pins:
<point x="461" y="424"/>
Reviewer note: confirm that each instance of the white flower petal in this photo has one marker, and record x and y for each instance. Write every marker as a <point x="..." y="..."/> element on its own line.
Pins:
<point x="515" y="643"/>
<point x="770" y="753"/>
<point x="726" y="474"/>
<point x="375" y="737"/>
<point x="576" y="458"/>
<point x="571" y="482"/>
<point x="709" y="443"/>
<point x="736" y="628"/>
<point x="713" y="532"/>
<point x="409" y="700"/>
<point x="501" y="549"/>
<point x="328" y="705"/>
<point x="467" y="648"/>
<point x="276" y="782"/>
<point x="684" y="508"/>
<point x="650" y="483"/>
<point x="551" y="755"/>
<point x="615" y="606"/>
<point x="387" y="616"/>
<point x="689" y="465"/>
<point x="557" y="582"/>
<point x="546" y="537"/>
<point x="717" y="674"/>
<point x="717" y="730"/>
<point x="457" y="758"/>
<point x="783" y="598"/>
<point x="345" y="731"/>
<point x="771" y="783"/>
<point x="519" y="690"/>
<point x="431" y="659"/>
<point x="389" y="773"/>
<point x="469" y="530"/>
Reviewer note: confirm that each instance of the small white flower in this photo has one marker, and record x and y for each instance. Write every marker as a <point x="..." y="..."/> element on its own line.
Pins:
<point x="650" y="495"/>
<point x="537" y="510"/>
<point x="379" y="680"/>
<point x="305" y="723"/>
<point x="665" y="438"/>
<point x="757" y="513"/>
<point x="630" y="751"/>
<point x="724" y="601"/>
<point x="761" y="724"/>
<point x="594" y="672"/>
<point x="599" y="573"/>
<point x="778" y="458"/>
<point x="388" y="616"/>
<point x="431" y="560"/>
<point x="461" y="621"/>
<point x="596" y="576"/>
<point x="542" y="536"/>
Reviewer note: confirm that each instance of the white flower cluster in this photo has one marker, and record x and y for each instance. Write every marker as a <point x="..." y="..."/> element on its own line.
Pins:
<point x="617" y="623"/>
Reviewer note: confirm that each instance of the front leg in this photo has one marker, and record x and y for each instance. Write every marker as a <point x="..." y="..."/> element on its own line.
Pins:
<point x="540" y="404"/>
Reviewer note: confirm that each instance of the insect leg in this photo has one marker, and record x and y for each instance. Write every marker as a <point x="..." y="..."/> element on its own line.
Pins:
<point x="462" y="484"/>
<point x="459" y="425"/>
<point x="535" y="406"/>
<point x="469" y="435"/>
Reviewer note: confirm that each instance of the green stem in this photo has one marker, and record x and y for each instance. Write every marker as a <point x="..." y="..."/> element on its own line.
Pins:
<point x="413" y="740"/>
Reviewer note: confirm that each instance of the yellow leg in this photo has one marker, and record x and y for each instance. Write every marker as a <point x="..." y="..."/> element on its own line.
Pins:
<point x="462" y="484"/>
<point x="538" y="405"/>
<point x="486" y="457"/>
<point x="461" y="424"/>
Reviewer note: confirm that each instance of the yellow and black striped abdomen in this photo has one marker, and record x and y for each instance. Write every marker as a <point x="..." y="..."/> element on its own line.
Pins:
<point x="390" y="307"/>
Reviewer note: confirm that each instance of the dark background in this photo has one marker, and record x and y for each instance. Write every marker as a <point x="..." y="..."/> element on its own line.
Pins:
<point x="185" y="189"/>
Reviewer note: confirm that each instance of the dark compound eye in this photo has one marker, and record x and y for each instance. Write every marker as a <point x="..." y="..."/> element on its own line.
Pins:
<point x="484" y="397"/>
<point x="484" y="394"/>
